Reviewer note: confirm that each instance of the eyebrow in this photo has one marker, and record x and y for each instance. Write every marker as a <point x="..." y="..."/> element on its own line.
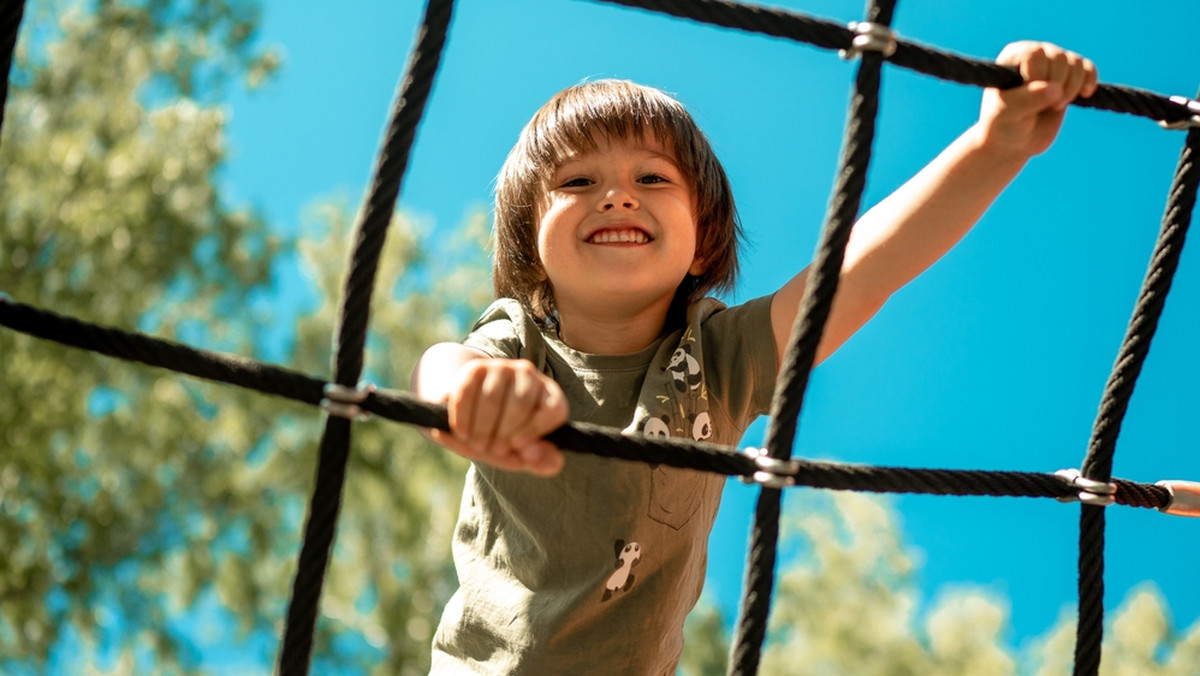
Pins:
<point x="655" y="154"/>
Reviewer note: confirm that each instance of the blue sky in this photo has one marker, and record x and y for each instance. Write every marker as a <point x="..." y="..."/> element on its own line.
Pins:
<point x="994" y="359"/>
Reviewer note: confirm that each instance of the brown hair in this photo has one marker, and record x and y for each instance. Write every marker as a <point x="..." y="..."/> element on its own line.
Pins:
<point x="573" y="121"/>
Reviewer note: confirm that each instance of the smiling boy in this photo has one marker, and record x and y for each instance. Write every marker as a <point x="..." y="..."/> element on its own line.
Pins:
<point x="613" y="220"/>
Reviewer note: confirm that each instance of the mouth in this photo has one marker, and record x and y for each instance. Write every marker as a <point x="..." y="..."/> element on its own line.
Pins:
<point x="624" y="235"/>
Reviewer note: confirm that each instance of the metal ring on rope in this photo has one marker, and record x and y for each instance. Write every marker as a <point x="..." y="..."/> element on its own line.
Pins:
<point x="870" y="37"/>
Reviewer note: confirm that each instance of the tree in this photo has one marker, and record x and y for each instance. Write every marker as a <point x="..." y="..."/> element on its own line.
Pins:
<point x="848" y="605"/>
<point x="130" y="498"/>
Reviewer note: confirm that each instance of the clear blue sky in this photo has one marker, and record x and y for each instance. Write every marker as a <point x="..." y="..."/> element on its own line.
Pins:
<point x="994" y="359"/>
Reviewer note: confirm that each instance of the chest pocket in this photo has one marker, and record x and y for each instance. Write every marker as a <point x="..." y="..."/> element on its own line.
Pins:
<point x="676" y="494"/>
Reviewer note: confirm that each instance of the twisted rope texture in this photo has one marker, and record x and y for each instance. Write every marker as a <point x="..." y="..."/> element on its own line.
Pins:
<point x="411" y="98"/>
<point x="325" y="503"/>
<point x="1135" y="347"/>
<point x="801" y="352"/>
<point x="913" y="56"/>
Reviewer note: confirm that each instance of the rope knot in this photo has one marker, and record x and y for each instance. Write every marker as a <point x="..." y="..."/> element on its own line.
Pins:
<point x="1091" y="492"/>
<point x="344" y="401"/>
<point x="772" y="472"/>
<point x="1190" y="122"/>
<point x="869" y="37"/>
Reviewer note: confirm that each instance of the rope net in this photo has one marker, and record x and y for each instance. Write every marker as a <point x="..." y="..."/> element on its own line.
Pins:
<point x="772" y="467"/>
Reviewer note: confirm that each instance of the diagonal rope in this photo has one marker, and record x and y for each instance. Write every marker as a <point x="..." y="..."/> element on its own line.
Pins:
<point x="10" y="26"/>
<point x="1097" y="465"/>
<point x="801" y="352"/>
<point x="325" y="504"/>
<point x="371" y="232"/>
<point x="941" y="64"/>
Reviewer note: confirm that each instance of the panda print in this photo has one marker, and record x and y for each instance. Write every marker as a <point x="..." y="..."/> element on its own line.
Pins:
<point x="622" y="579"/>
<point x="674" y="403"/>
<point x="683" y="405"/>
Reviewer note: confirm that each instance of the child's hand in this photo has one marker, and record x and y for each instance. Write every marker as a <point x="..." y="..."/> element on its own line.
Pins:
<point x="1023" y="121"/>
<point x="499" y="411"/>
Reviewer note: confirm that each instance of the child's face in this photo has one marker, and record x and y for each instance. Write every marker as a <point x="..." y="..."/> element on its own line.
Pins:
<point x="618" y="230"/>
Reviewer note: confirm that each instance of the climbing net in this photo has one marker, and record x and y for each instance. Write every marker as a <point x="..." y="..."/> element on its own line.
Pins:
<point x="872" y="43"/>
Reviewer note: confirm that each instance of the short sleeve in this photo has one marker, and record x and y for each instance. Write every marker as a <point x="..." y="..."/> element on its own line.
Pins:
<point x="506" y="331"/>
<point x="740" y="357"/>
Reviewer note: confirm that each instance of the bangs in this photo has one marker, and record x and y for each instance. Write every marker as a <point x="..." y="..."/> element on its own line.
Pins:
<point x="582" y="117"/>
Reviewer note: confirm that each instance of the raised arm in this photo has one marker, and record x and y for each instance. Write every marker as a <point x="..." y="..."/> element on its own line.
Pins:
<point x="499" y="409"/>
<point x="907" y="232"/>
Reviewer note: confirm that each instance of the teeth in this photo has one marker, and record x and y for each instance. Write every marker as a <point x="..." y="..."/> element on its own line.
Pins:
<point x="620" y="236"/>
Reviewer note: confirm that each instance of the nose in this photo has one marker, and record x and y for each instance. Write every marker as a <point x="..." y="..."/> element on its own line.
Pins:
<point x="618" y="196"/>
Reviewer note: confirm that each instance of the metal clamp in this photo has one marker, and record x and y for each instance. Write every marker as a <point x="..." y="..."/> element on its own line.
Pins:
<point x="1185" y="498"/>
<point x="1192" y="122"/>
<point x="344" y="401"/>
<point x="869" y="37"/>
<point x="772" y="472"/>
<point x="1091" y="492"/>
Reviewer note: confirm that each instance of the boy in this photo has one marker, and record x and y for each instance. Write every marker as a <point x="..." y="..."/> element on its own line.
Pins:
<point x="613" y="220"/>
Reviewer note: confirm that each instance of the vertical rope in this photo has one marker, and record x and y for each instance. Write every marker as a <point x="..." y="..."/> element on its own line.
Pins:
<point x="1097" y="465"/>
<point x="10" y="28"/>
<point x="408" y="107"/>
<point x="802" y="345"/>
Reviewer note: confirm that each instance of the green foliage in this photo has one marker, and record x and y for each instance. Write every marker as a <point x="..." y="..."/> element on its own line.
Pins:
<point x="127" y="494"/>
<point x="848" y="605"/>
<point x="391" y="574"/>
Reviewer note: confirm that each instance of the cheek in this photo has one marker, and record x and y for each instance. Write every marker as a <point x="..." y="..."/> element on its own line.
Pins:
<point x="541" y="238"/>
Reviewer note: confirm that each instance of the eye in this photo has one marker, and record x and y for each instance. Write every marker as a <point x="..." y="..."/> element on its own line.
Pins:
<point x="653" y="178"/>
<point x="576" y="182"/>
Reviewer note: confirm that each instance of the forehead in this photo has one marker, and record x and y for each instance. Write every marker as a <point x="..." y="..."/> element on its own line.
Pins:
<point x="647" y="144"/>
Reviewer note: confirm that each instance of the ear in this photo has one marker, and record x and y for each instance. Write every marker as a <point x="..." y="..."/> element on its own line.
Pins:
<point x="617" y="547"/>
<point x="699" y="265"/>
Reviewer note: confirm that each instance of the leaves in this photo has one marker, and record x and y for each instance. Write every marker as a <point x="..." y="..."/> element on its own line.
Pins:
<point x="848" y="605"/>
<point x="131" y="498"/>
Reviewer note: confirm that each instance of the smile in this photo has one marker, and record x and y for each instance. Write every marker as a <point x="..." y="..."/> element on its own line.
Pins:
<point x="621" y="236"/>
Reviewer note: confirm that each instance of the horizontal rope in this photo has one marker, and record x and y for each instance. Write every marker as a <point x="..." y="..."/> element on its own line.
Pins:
<point x="941" y="64"/>
<point x="401" y="406"/>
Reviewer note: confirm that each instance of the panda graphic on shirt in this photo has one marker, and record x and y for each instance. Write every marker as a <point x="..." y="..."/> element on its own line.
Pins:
<point x="677" y="407"/>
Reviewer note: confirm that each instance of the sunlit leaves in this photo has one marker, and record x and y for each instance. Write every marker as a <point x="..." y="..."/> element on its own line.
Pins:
<point x="847" y="604"/>
<point x="130" y="495"/>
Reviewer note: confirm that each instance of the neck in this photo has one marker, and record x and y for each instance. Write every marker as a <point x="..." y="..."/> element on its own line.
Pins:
<point x="613" y="333"/>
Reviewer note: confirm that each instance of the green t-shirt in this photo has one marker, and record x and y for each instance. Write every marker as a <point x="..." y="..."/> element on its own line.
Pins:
<point x="594" y="570"/>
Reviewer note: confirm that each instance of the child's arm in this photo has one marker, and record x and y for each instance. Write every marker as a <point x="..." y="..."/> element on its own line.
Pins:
<point x="499" y="408"/>
<point x="907" y="232"/>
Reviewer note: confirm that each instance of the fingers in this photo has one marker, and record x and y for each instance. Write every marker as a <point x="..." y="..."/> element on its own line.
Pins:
<point x="1074" y="75"/>
<point x="547" y="413"/>
<point x="542" y="458"/>
<point x="498" y="411"/>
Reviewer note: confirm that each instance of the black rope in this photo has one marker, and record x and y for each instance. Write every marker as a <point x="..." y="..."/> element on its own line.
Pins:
<point x="826" y="34"/>
<point x="325" y="504"/>
<point x="801" y="352"/>
<point x="10" y="27"/>
<point x="1135" y="347"/>
<point x="411" y="98"/>
<point x="403" y="407"/>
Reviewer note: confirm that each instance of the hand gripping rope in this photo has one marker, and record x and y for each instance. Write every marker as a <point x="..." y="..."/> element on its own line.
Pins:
<point x="871" y="42"/>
